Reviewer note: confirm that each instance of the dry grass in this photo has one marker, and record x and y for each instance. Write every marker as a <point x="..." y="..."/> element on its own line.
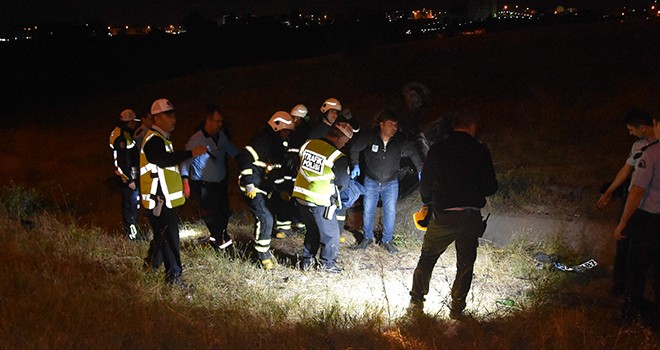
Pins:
<point x="550" y="123"/>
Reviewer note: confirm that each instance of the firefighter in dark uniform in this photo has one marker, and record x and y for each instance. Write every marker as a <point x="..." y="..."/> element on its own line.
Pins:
<point x="457" y="176"/>
<point x="323" y="173"/>
<point x="287" y="219"/>
<point x="125" y="153"/>
<point x="258" y="163"/>
<point x="161" y="189"/>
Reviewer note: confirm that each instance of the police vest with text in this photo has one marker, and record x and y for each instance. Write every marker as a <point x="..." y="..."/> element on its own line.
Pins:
<point x="152" y="176"/>
<point x="315" y="179"/>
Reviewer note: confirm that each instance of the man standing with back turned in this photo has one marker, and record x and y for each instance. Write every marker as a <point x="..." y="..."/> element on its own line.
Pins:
<point x="457" y="176"/>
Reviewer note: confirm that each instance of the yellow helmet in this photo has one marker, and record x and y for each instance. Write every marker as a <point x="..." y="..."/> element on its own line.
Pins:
<point x="421" y="218"/>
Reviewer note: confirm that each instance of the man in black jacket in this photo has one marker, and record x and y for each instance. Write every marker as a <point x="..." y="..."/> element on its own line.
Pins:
<point x="382" y="148"/>
<point x="457" y="176"/>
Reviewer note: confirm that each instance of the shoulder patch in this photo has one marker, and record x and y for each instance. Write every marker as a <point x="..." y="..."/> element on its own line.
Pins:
<point x="641" y="164"/>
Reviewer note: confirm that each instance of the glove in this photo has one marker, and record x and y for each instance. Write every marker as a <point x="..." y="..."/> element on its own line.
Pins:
<point x="250" y="191"/>
<point x="186" y="189"/>
<point x="355" y="172"/>
<point x="419" y="176"/>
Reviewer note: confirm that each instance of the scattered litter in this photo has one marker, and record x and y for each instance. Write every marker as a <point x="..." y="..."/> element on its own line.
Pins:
<point x="505" y="302"/>
<point x="587" y="265"/>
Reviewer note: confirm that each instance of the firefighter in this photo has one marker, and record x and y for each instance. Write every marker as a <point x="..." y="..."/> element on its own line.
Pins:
<point x="257" y="162"/>
<point x="125" y="154"/>
<point x="161" y="189"/>
<point x="286" y="215"/>
<point x="323" y="172"/>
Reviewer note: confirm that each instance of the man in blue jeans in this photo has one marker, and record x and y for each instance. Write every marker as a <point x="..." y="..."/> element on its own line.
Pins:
<point x="382" y="148"/>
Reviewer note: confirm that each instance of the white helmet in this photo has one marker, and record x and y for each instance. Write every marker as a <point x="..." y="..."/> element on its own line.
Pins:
<point x="281" y="120"/>
<point x="331" y="103"/>
<point x="299" y="111"/>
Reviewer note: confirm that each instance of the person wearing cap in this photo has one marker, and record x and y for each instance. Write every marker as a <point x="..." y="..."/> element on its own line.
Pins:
<point x="125" y="155"/>
<point x="259" y="165"/>
<point x="161" y="189"/>
<point x="382" y="148"/>
<point x="205" y="176"/>
<point x="640" y="226"/>
<point x="457" y="177"/>
<point x="323" y="173"/>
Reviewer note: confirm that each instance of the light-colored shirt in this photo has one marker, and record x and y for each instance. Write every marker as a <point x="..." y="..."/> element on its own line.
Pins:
<point x="647" y="176"/>
<point x="210" y="166"/>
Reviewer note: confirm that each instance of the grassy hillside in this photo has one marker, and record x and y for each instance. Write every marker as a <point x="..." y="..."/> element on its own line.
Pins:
<point x="551" y="100"/>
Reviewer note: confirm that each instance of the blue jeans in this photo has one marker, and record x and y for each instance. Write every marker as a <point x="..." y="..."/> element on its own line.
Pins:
<point x="388" y="191"/>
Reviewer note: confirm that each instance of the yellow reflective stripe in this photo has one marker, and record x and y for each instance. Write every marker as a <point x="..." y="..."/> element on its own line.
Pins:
<point x="246" y="172"/>
<point x="319" y="198"/>
<point x="254" y="153"/>
<point x="341" y="217"/>
<point x="336" y="154"/>
<point x="259" y="164"/>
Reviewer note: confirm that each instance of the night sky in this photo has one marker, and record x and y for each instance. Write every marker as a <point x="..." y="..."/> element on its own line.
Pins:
<point x="165" y="11"/>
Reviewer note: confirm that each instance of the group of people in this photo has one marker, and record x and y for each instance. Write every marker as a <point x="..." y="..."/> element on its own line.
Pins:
<point x="299" y="172"/>
<point x="638" y="232"/>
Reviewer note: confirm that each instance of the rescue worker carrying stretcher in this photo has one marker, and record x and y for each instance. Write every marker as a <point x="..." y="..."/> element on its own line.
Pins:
<point x="265" y="153"/>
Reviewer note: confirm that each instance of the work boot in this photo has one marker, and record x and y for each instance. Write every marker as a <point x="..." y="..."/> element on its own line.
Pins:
<point x="176" y="281"/>
<point x="415" y="307"/>
<point x="283" y="233"/>
<point x="267" y="260"/>
<point x="331" y="269"/>
<point x="366" y="242"/>
<point x="389" y="246"/>
<point x="456" y="309"/>
<point x="307" y="264"/>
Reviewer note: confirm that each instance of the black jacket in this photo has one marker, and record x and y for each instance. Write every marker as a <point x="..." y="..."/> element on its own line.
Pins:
<point x="269" y="148"/>
<point x="382" y="163"/>
<point x="458" y="172"/>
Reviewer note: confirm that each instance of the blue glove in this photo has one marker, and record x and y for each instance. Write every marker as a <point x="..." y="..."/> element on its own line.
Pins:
<point x="355" y="172"/>
<point x="419" y="176"/>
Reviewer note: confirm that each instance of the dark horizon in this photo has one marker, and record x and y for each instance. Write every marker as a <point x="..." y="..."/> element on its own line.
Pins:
<point x="168" y="11"/>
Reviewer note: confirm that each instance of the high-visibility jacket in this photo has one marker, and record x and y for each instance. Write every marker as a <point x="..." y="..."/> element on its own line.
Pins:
<point x="153" y="177"/>
<point x="122" y="145"/>
<point x="315" y="179"/>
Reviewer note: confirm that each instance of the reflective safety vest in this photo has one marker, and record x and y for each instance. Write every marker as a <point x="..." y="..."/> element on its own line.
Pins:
<point x="153" y="176"/>
<point x="315" y="179"/>
<point x="130" y="143"/>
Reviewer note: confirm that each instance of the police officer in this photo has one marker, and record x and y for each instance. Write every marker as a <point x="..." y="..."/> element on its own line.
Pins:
<point x="204" y="177"/>
<point x="323" y="173"/>
<point x="457" y="176"/>
<point x="257" y="161"/>
<point x="161" y="189"/>
<point x="640" y="125"/>
<point x="640" y="225"/>
<point x="125" y="154"/>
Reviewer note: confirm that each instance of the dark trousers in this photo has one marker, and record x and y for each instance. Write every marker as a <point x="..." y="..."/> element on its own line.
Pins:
<point x="464" y="227"/>
<point x="283" y="208"/>
<point x="321" y="233"/>
<point x="341" y="218"/>
<point x="264" y="222"/>
<point x="620" y="264"/>
<point x="213" y="204"/>
<point x="643" y="253"/>
<point x="165" y="241"/>
<point x="129" y="206"/>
